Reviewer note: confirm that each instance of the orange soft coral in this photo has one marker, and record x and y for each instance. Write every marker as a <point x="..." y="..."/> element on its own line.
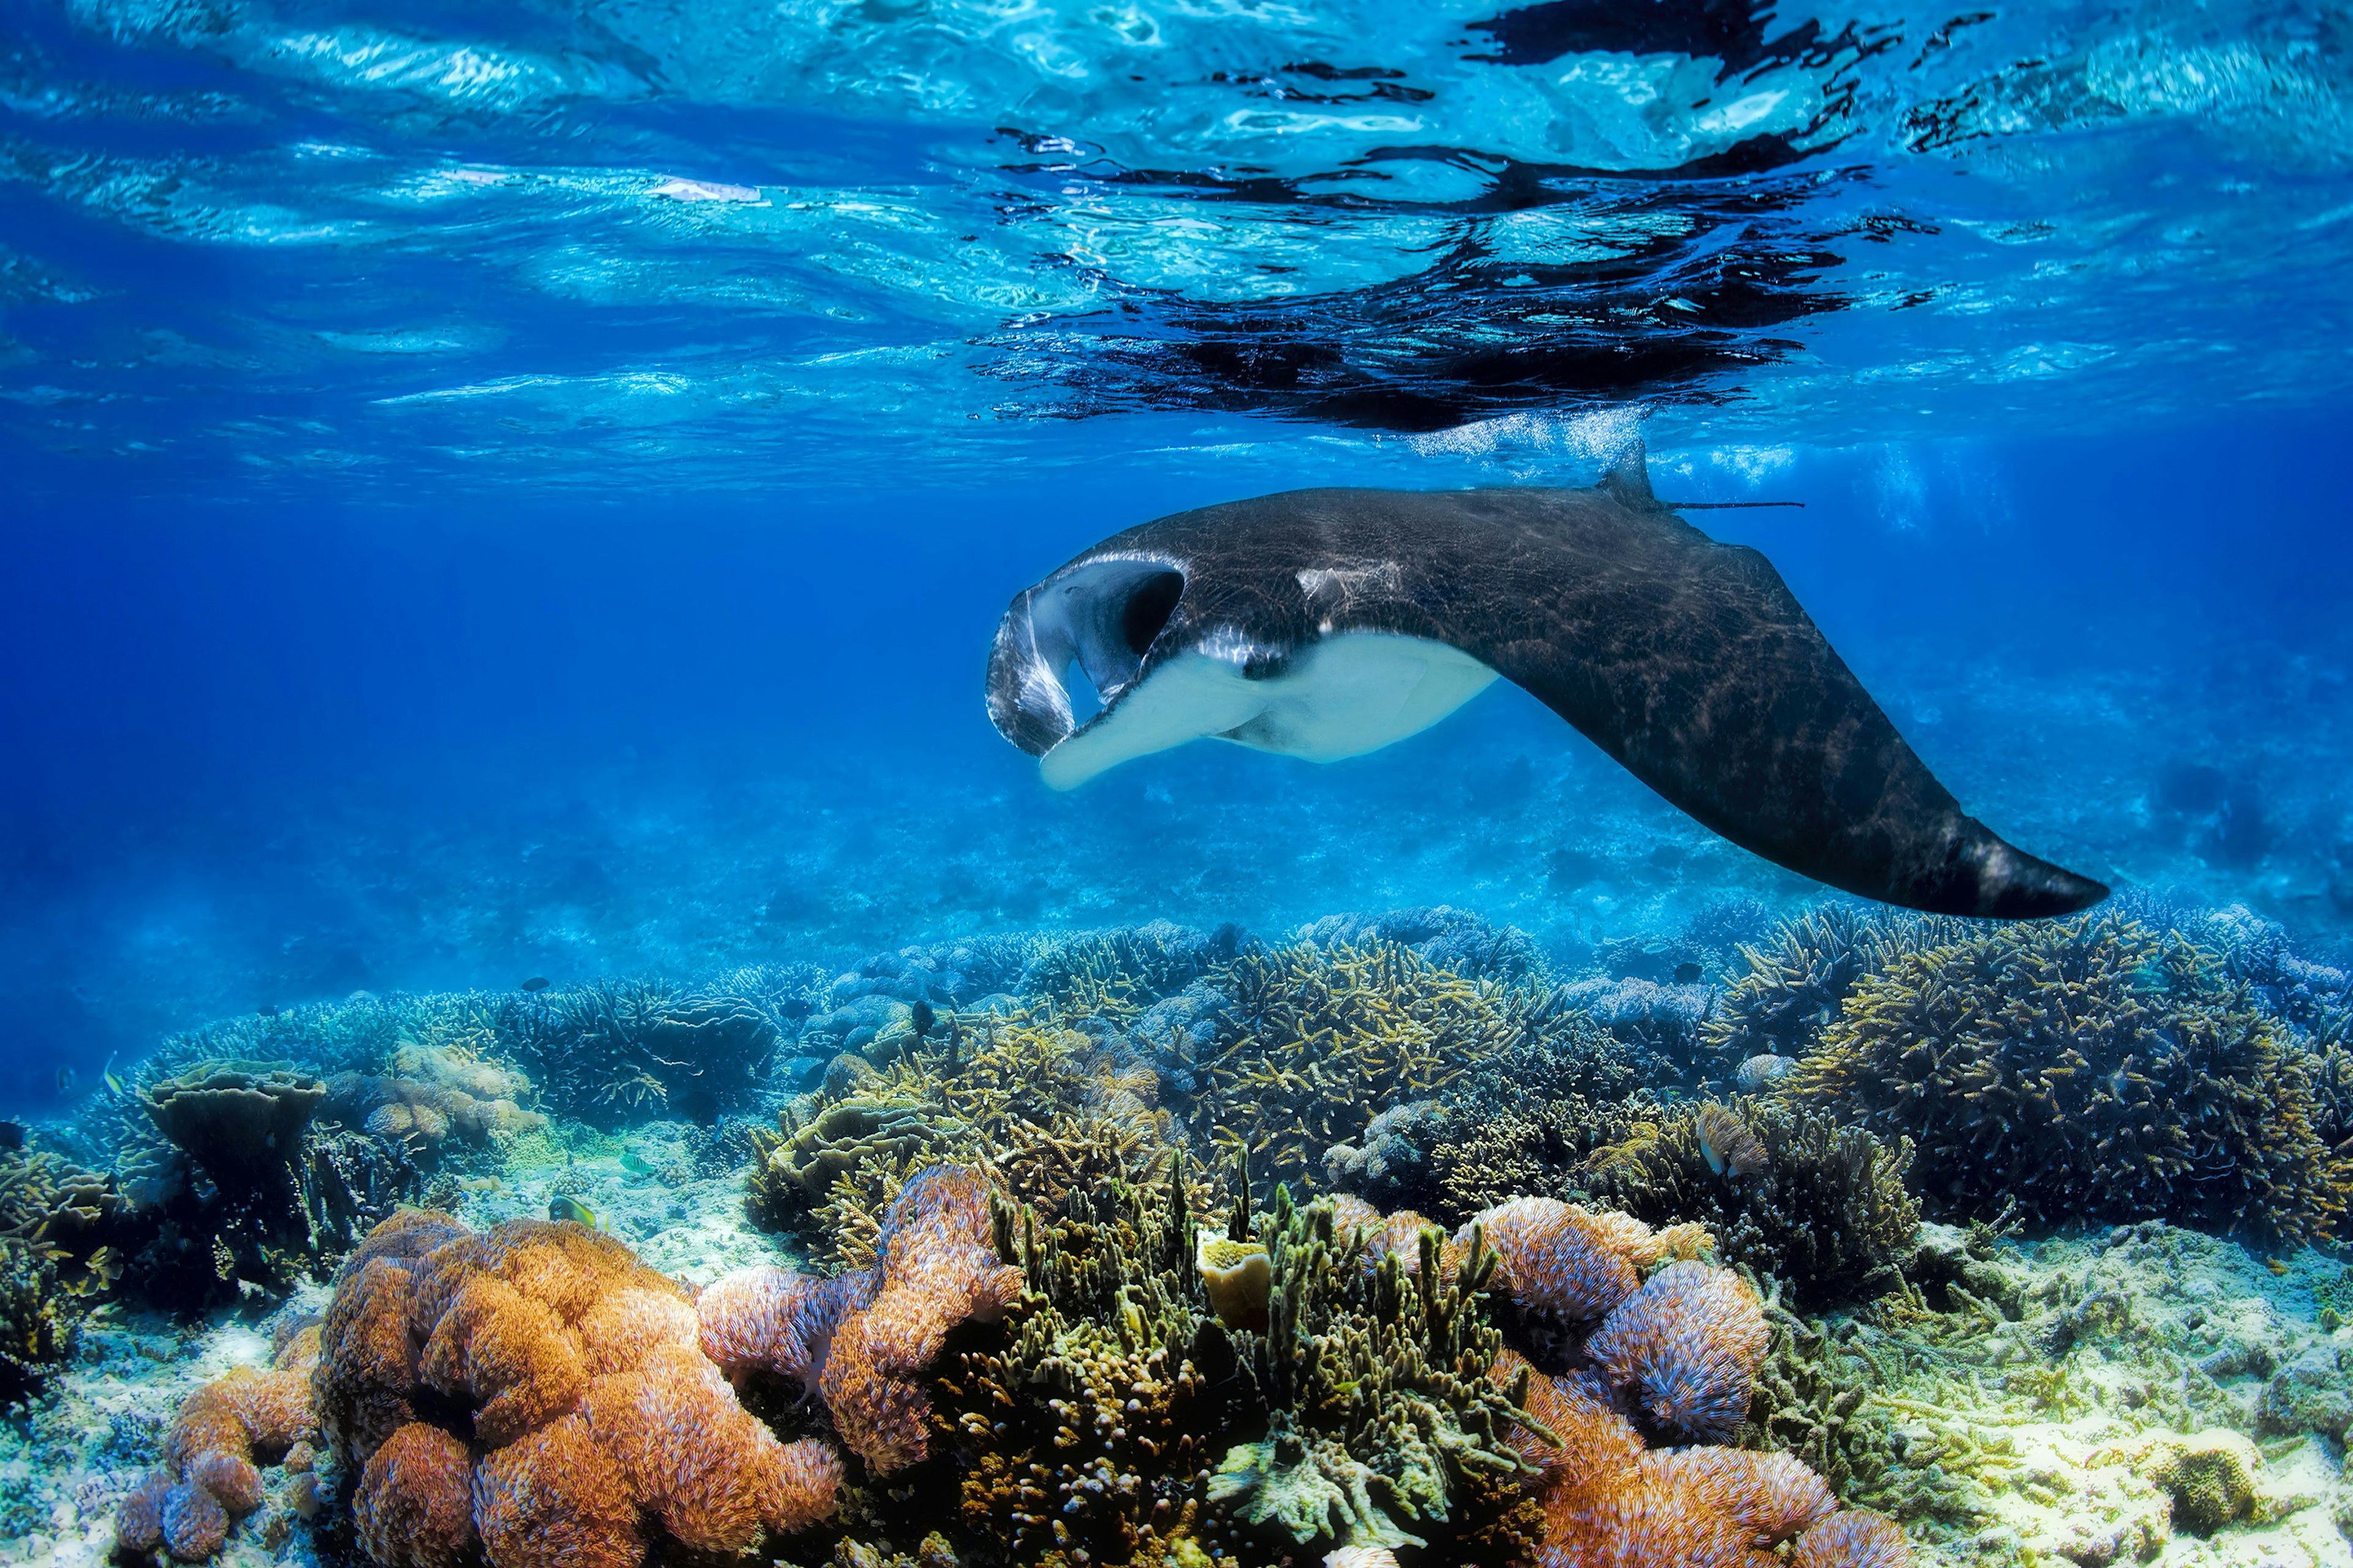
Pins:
<point x="938" y="1266"/>
<point x="1854" y="1540"/>
<point x="1557" y="1258"/>
<point x="219" y="1440"/>
<point x="536" y="1389"/>
<point x="1689" y="1343"/>
<point x="415" y="1507"/>
<point x="766" y="1319"/>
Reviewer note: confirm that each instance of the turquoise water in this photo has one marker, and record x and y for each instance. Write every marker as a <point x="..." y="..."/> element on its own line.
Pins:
<point x="513" y="491"/>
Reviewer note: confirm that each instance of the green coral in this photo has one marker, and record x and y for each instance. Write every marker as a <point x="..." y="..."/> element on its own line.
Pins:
<point x="1795" y="986"/>
<point x="2087" y="1070"/>
<point x="1113" y="1419"/>
<point x="1826" y="1213"/>
<point x="40" y="1319"/>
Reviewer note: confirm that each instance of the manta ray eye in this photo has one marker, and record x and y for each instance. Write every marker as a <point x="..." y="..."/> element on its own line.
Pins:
<point x="1149" y="604"/>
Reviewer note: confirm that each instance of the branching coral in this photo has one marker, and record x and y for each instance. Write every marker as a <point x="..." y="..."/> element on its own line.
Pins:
<point x="218" y="1440"/>
<point x="563" y="1381"/>
<point x="2085" y="1069"/>
<point x="618" y="1052"/>
<point x="1319" y="1034"/>
<point x="1784" y="1190"/>
<point x="1795" y="986"/>
<point x="1092" y="1426"/>
<point x="1050" y="1109"/>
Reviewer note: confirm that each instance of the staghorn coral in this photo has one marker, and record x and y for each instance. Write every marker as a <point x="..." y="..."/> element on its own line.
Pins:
<point x="618" y="1052"/>
<point x="569" y="1379"/>
<point x="1689" y="1342"/>
<point x="1316" y="1034"/>
<point x="938" y="1267"/>
<point x="1050" y="1109"/>
<point x="2082" y="1070"/>
<point x="1117" y="974"/>
<point x="1795" y="986"/>
<point x="218" y="1439"/>
<point x="1823" y="1209"/>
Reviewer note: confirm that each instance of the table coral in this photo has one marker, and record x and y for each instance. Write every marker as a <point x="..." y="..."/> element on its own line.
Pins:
<point x="2090" y="1069"/>
<point x="569" y="1378"/>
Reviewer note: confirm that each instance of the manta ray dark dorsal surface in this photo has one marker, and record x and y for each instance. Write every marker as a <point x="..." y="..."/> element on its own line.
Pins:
<point x="1688" y="662"/>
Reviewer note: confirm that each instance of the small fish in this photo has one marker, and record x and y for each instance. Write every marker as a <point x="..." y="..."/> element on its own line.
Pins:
<point x="636" y="1166"/>
<point x="1727" y="1145"/>
<point x="570" y="1210"/>
<point x="923" y="1019"/>
<point x="12" y="1135"/>
<point x="115" y="1084"/>
<point x="536" y="982"/>
<point x="1687" y="974"/>
<point x="268" y="1010"/>
<point x="66" y="1080"/>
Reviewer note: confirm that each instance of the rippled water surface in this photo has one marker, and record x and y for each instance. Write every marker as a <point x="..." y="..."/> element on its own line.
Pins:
<point x="699" y="243"/>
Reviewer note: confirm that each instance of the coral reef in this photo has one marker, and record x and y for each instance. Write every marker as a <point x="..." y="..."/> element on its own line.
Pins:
<point x="1688" y="1342"/>
<point x="1317" y="1035"/>
<point x="1456" y="941"/>
<point x="241" y="1122"/>
<point x="2085" y="1069"/>
<point x="620" y="1052"/>
<point x="1795" y="986"/>
<point x="2209" y="1477"/>
<point x="39" y="1319"/>
<point x="1786" y="1191"/>
<point x="936" y="1268"/>
<point x="431" y="1094"/>
<point x="535" y="1389"/>
<point x="218" y="1440"/>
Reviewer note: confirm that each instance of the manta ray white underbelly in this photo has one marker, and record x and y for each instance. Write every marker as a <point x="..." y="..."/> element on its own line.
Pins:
<point x="1341" y="696"/>
<point x="1325" y="623"/>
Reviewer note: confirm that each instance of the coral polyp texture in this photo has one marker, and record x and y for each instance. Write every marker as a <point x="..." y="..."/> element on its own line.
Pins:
<point x="937" y="1268"/>
<point x="218" y="1441"/>
<point x="535" y="1389"/>
<point x="2093" y="1068"/>
<point x="1688" y="1344"/>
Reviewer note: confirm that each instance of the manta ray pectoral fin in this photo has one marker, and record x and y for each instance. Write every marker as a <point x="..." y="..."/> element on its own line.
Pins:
<point x="1692" y="665"/>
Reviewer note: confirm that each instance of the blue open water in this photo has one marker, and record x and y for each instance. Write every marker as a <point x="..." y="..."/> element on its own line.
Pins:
<point x="526" y="490"/>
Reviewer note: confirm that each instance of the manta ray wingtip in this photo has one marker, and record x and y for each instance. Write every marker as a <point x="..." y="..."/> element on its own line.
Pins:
<point x="2005" y="883"/>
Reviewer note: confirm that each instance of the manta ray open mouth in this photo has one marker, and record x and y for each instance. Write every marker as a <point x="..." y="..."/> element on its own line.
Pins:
<point x="1104" y="616"/>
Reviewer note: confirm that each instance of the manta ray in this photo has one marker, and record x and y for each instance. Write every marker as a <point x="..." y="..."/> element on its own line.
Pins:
<point x="1325" y="624"/>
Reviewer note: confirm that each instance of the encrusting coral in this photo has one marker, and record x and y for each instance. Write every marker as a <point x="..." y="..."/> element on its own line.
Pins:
<point x="535" y="1391"/>
<point x="2090" y="1069"/>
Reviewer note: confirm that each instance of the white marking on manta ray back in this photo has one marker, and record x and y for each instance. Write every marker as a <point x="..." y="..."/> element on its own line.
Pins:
<point x="1340" y="698"/>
